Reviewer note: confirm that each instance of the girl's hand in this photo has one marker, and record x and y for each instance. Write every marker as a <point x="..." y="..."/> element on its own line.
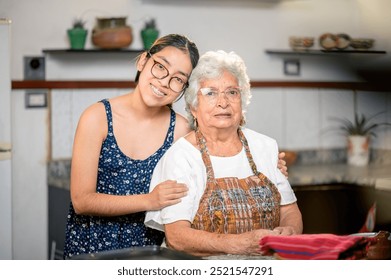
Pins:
<point x="167" y="193"/>
<point x="282" y="164"/>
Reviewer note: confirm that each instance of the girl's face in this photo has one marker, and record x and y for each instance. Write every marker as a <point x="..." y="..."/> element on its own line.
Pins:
<point x="163" y="75"/>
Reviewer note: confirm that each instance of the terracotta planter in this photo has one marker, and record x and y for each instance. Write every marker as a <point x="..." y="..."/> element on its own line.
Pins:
<point x="358" y="150"/>
<point x="112" y="33"/>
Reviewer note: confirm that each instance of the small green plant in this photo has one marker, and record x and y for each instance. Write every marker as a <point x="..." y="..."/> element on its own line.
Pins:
<point x="150" y="23"/>
<point x="78" y="23"/>
<point x="361" y="125"/>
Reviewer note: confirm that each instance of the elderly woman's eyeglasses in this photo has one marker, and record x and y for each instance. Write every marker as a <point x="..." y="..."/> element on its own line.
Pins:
<point x="160" y="72"/>
<point x="212" y="94"/>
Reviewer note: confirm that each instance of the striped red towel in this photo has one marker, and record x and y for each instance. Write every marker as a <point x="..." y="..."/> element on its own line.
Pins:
<point x="314" y="246"/>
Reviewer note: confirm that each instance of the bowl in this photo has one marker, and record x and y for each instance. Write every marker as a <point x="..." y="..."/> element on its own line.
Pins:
<point x="343" y="41"/>
<point x="362" y="43"/>
<point x="298" y="43"/>
<point x="328" y="41"/>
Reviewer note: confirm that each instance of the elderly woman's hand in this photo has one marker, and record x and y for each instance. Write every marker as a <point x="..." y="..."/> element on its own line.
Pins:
<point x="287" y="230"/>
<point x="249" y="241"/>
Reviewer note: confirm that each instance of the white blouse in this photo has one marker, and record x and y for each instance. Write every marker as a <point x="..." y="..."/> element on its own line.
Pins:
<point x="183" y="162"/>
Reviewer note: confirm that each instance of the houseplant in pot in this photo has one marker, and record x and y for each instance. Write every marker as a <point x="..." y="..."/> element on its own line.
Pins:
<point x="149" y="33"/>
<point x="359" y="133"/>
<point x="77" y="34"/>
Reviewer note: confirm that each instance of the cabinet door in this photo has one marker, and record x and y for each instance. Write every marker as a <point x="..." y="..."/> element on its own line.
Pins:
<point x="338" y="209"/>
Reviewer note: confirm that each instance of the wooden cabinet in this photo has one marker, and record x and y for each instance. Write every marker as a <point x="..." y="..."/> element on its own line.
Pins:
<point x="335" y="208"/>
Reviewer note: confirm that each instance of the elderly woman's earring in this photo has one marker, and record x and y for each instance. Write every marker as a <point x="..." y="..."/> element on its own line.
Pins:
<point x="242" y="121"/>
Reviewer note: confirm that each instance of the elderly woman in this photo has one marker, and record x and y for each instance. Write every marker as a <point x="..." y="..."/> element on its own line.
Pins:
<point x="236" y="193"/>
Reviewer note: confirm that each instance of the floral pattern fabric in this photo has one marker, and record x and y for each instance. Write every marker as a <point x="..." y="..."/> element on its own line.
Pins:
<point x="117" y="175"/>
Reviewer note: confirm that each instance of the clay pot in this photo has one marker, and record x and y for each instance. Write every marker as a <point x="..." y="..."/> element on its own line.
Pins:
<point x="112" y="33"/>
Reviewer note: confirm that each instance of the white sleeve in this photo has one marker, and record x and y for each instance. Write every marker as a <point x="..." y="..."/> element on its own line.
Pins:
<point x="265" y="154"/>
<point x="180" y="165"/>
<point x="282" y="183"/>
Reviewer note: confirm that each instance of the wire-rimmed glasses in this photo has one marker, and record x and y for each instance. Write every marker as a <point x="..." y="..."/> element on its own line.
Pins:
<point x="212" y="94"/>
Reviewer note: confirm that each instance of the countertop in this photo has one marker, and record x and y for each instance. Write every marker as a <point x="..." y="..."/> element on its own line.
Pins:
<point x="374" y="175"/>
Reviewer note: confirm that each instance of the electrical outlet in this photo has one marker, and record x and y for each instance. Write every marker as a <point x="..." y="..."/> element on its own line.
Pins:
<point x="34" y="68"/>
<point x="36" y="99"/>
<point x="292" y="67"/>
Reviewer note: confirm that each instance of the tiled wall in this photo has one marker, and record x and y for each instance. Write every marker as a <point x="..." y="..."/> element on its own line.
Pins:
<point x="299" y="119"/>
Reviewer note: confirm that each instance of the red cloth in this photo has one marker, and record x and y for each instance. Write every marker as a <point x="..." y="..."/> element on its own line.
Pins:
<point x="314" y="246"/>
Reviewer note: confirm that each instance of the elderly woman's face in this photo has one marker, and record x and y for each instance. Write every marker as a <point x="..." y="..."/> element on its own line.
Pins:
<point x="219" y="103"/>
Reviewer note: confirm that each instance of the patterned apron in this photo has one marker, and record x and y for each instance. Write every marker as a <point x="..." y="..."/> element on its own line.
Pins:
<point x="233" y="205"/>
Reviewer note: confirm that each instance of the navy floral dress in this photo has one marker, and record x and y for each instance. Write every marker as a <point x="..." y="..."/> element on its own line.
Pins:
<point x="117" y="175"/>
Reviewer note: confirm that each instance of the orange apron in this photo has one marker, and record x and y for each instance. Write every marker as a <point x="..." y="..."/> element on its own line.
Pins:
<point x="233" y="205"/>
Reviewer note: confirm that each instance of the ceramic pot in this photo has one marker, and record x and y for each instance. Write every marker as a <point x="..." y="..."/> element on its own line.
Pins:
<point x="112" y="33"/>
<point x="358" y="150"/>
<point x="77" y="38"/>
<point x="149" y="35"/>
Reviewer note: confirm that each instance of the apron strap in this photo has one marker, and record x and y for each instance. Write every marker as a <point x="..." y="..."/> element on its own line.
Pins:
<point x="201" y="142"/>
<point x="248" y="153"/>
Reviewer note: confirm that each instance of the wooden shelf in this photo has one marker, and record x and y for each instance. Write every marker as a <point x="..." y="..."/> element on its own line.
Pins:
<point x="45" y="84"/>
<point x="86" y="51"/>
<point x="322" y="52"/>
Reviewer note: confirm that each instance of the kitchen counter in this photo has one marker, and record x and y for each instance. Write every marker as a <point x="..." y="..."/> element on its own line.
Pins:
<point x="374" y="175"/>
<point x="335" y="198"/>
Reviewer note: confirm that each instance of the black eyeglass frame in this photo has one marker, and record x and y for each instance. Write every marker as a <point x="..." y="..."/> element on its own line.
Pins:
<point x="185" y="86"/>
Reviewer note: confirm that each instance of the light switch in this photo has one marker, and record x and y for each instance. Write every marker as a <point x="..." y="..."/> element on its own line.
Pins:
<point x="36" y="99"/>
<point x="292" y="67"/>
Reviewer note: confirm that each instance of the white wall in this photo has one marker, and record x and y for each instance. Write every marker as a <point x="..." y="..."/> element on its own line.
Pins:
<point x="247" y="26"/>
<point x="30" y="132"/>
<point x="295" y="117"/>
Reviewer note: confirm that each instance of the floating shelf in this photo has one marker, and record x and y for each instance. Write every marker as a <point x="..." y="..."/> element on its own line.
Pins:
<point x="60" y="51"/>
<point x="323" y="52"/>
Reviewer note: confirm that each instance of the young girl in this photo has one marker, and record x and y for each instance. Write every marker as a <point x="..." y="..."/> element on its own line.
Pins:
<point x="117" y="145"/>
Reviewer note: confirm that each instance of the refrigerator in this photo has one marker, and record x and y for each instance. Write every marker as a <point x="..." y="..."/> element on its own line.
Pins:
<point x="5" y="141"/>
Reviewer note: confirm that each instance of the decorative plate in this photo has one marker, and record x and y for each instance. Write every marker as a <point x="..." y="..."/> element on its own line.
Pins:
<point x="343" y="41"/>
<point x="328" y="41"/>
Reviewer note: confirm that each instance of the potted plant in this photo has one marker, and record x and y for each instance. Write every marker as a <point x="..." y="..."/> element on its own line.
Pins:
<point x="149" y="33"/>
<point x="77" y="34"/>
<point x="359" y="133"/>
